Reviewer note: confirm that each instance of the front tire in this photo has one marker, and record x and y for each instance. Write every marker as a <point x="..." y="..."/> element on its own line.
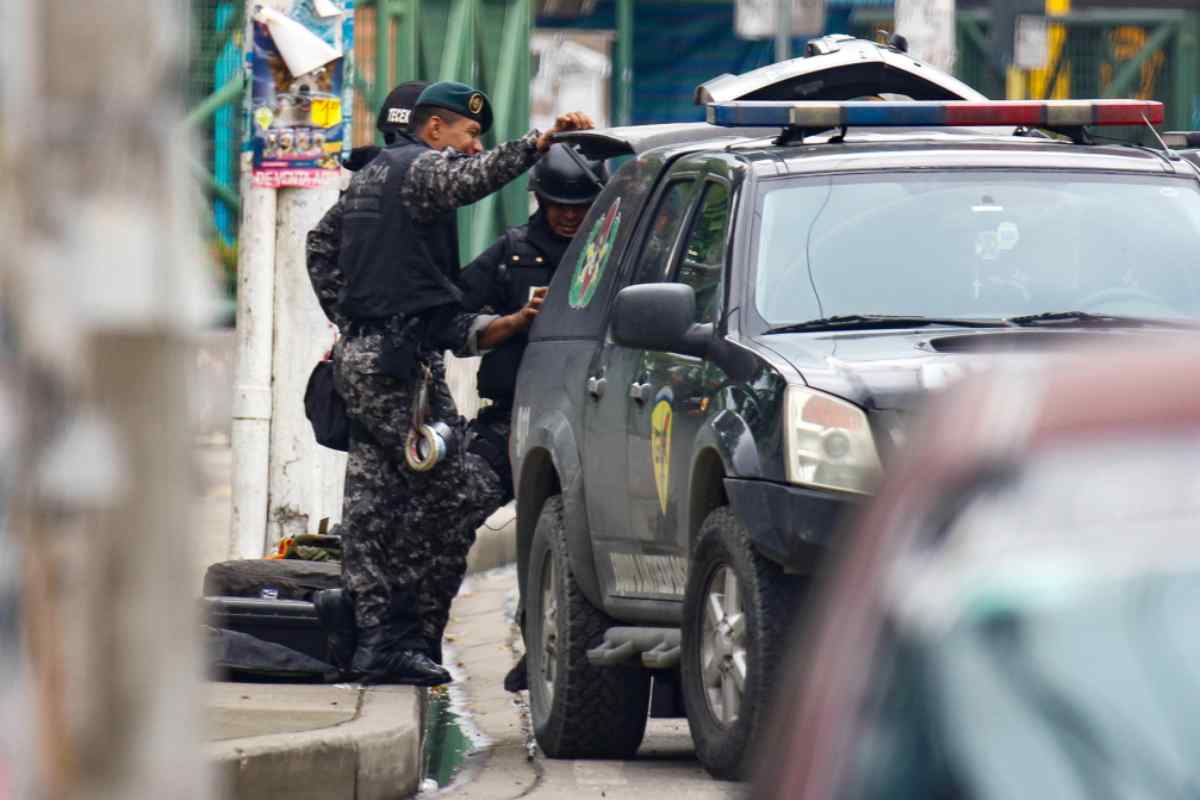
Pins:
<point x="578" y="710"/>
<point x="734" y="617"/>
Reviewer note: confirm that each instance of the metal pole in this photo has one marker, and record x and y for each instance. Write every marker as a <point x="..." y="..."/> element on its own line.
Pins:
<point x="624" y="72"/>
<point x="214" y="102"/>
<point x="783" y="30"/>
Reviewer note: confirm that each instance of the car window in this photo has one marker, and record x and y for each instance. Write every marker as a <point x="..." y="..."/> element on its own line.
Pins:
<point x="588" y="276"/>
<point x="704" y="251"/>
<point x="654" y="261"/>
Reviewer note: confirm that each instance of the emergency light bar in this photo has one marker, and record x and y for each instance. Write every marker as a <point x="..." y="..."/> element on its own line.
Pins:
<point x="912" y="114"/>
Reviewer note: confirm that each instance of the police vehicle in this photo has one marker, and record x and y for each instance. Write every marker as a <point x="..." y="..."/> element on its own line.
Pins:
<point x="734" y="344"/>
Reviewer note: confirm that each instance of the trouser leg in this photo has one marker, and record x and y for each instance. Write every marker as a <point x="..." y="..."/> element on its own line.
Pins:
<point x="451" y="507"/>
<point x="450" y="566"/>
<point x="368" y="531"/>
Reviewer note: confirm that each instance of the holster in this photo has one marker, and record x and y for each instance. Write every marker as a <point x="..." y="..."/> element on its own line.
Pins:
<point x="399" y="356"/>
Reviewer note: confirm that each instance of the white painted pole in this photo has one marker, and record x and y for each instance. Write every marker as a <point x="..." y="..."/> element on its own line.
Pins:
<point x="783" y="30"/>
<point x="305" y="479"/>
<point x="251" y="433"/>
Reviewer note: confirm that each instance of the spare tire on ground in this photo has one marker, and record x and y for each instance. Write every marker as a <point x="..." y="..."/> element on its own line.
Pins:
<point x="283" y="578"/>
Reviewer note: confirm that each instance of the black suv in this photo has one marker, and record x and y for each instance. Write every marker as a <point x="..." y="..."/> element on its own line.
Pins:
<point x="732" y="348"/>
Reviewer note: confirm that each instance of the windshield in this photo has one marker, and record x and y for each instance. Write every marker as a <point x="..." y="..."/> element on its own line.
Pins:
<point x="977" y="244"/>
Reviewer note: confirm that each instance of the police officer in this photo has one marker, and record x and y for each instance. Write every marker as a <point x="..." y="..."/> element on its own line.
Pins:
<point x="334" y="607"/>
<point x="407" y="531"/>
<point x="503" y="278"/>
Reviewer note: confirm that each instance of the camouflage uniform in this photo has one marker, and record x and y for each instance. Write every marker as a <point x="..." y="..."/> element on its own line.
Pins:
<point x="323" y="245"/>
<point x="407" y="533"/>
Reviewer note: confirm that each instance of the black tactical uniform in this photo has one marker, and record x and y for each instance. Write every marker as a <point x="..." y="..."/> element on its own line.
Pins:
<point x="502" y="278"/>
<point x="501" y="281"/>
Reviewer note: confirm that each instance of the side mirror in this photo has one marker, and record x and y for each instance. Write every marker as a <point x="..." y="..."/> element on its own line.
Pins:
<point x="660" y="316"/>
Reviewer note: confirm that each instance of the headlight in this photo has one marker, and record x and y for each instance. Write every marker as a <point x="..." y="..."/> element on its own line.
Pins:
<point x="829" y="443"/>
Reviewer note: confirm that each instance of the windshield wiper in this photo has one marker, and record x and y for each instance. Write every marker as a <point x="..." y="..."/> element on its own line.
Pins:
<point x="883" y="321"/>
<point x="1087" y="318"/>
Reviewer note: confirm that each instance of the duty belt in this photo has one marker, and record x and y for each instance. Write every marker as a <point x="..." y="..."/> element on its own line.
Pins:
<point x="367" y="327"/>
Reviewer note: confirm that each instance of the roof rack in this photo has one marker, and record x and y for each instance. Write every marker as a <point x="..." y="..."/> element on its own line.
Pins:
<point x="1068" y="117"/>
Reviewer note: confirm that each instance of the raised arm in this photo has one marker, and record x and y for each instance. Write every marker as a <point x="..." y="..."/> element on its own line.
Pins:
<point x="442" y="180"/>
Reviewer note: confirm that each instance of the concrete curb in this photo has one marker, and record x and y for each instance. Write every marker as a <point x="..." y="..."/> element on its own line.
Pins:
<point x="374" y="756"/>
<point x="495" y="542"/>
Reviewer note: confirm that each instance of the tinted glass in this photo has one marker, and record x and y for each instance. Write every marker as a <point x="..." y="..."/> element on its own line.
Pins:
<point x="573" y="310"/>
<point x="974" y="243"/>
<point x="654" y="260"/>
<point x="704" y="251"/>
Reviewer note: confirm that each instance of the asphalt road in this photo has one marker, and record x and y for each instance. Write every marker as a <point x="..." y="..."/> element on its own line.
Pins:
<point x="484" y="643"/>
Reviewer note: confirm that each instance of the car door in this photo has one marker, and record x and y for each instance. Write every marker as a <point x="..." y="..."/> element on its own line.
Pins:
<point x="671" y="393"/>
<point x="610" y="377"/>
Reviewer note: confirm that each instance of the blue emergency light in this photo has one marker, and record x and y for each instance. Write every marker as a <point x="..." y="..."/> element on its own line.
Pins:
<point x="912" y="114"/>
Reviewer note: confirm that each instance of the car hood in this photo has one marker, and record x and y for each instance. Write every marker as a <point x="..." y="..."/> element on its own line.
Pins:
<point x="897" y="370"/>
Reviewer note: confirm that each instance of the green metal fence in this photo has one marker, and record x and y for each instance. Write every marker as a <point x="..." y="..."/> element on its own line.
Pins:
<point x="215" y="118"/>
<point x="1137" y="52"/>
<point x="481" y="42"/>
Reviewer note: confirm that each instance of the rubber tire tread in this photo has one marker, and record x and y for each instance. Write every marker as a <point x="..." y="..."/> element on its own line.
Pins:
<point x="769" y="600"/>
<point x="596" y="712"/>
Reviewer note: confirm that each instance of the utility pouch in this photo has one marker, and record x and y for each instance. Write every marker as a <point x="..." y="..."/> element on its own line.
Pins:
<point x="326" y="409"/>
<point x="398" y="357"/>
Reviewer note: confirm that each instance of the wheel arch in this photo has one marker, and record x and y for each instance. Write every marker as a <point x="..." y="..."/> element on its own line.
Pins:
<point x="706" y="490"/>
<point x="550" y="465"/>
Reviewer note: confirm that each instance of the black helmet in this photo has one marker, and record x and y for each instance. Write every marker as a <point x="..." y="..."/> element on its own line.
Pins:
<point x="397" y="108"/>
<point x="565" y="176"/>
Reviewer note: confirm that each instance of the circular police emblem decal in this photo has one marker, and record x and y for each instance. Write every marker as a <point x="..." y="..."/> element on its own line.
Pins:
<point x="593" y="258"/>
<point x="475" y="104"/>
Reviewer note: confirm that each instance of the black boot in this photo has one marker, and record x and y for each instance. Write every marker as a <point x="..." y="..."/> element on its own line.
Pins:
<point x="335" y="612"/>
<point x="434" y="648"/>
<point x="378" y="660"/>
<point x="409" y="668"/>
<point x="517" y="679"/>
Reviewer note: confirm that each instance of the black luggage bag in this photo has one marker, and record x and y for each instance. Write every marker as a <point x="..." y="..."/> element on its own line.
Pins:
<point x="291" y="623"/>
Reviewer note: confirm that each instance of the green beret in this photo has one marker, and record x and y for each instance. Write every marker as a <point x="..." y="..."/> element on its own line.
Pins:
<point x="461" y="99"/>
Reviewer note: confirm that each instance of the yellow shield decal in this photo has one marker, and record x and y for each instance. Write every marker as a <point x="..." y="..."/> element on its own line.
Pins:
<point x="660" y="444"/>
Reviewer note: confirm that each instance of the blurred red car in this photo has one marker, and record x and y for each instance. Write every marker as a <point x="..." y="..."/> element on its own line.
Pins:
<point x="1014" y="616"/>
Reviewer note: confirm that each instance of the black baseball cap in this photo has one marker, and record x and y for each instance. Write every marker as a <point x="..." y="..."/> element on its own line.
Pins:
<point x="461" y="99"/>
<point x="397" y="108"/>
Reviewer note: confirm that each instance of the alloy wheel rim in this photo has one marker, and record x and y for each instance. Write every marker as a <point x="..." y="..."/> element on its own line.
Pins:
<point x="549" y="643"/>
<point x="723" y="656"/>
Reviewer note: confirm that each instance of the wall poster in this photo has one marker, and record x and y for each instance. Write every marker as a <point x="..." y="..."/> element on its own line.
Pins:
<point x="300" y="98"/>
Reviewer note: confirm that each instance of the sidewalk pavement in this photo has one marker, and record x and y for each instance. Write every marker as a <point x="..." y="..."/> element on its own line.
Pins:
<point x="341" y="742"/>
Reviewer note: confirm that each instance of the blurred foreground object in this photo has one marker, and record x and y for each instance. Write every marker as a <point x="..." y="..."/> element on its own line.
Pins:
<point x="1013" y="616"/>
<point x="102" y="282"/>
